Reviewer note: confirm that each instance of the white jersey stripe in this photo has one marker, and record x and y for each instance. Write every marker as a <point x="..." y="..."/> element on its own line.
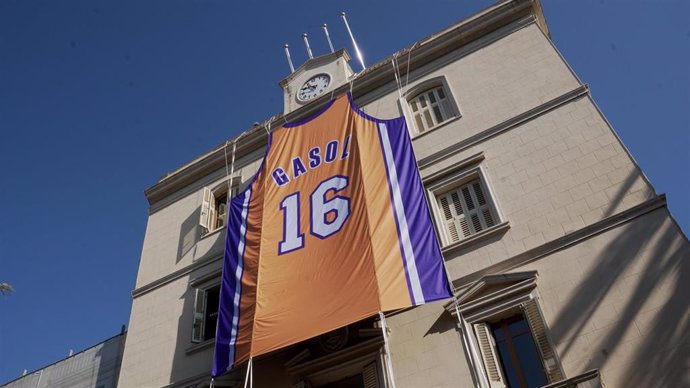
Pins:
<point x="399" y="210"/>
<point x="238" y="275"/>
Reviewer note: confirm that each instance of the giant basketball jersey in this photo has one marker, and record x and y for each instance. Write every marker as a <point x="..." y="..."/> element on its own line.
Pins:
<point x="333" y="229"/>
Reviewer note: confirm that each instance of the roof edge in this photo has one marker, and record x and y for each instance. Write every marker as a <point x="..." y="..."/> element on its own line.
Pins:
<point x="426" y="49"/>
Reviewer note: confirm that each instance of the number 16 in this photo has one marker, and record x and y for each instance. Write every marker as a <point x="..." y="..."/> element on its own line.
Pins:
<point x="319" y="208"/>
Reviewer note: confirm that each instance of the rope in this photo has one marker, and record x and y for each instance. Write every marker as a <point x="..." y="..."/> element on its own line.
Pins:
<point x="460" y="318"/>
<point x="389" y="364"/>
<point x="231" y="172"/>
<point x="247" y="377"/>
<point x="225" y="153"/>
<point x="468" y="342"/>
<point x="396" y="74"/>
<point x="407" y="73"/>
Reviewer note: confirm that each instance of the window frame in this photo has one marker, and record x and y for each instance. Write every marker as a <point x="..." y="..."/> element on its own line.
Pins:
<point x="454" y="180"/>
<point x="416" y="91"/>
<point x="514" y="356"/>
<point x="201" y="287"/>
<point x="518" y="295"/>
<point x="208" y="219"/>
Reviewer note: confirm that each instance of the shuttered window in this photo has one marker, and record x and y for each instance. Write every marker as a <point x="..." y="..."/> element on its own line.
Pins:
<point x="214" y="207"/>
<point x="487" y="348"/>
<point x="206" y="208"/>
<point x="518" y="354"/>
<point x="431" y="108"/>
<point x="198" y="325"/>
<point x="548" y="356"/>
<point x="466" y="210"/>
<point x="220" y="210"/>
<point x="370" y="376"/>
<point x="516" y="351"/>
<point x="205" y="314"/>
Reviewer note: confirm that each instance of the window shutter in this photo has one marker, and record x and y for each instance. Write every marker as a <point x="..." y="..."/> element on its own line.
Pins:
<point x="206" y="203"/>
<point x="370" y="376"/>
<point x="538" y="327"/>
<point x="198" y="325"/>
<point x="487" y="347"/>
<point x="466" y="211"/>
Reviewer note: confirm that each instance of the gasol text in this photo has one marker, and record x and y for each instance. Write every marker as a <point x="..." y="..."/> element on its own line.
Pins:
<point x="331" y="152"/>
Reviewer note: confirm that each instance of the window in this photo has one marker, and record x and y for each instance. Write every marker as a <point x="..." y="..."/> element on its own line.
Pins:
<point x="507" y="333"/>
<point x="515" y="350"/>
<point x="205" y="313"/>
<point x="431" y="108"/>
<point x="466" y="211"/>
<point x="462" y="203"/>
<point x="220" y="209"/>
<point x="429" y="105"/>
<point x="214" y="206"/>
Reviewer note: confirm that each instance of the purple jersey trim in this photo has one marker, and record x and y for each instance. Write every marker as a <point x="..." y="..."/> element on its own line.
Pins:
<point x="231" y="285"/>
<point x="422" y="238"/>
<point x="428" y="257"/>
<point x="312" y="117"/>
<point x="396" y="215"/>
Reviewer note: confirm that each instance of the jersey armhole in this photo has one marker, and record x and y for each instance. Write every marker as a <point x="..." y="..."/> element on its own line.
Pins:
<point x="251" y="182"/>
<point x="360" y="112"/>
<point x="353" y="106"/>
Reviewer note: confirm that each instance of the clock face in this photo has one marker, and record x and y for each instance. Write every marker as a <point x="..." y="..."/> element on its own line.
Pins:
<point x="314" y="87"/>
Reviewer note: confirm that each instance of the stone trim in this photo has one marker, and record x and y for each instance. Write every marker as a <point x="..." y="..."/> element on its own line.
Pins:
<point x="504" y="126"/>
<point x="464" y="164"/>
<point x="203" y="279"/>
<point x="481" y="236"/>
<point x="514" y="293"/>
<point x="564" y="242"/>
<point x="355" y="353"/>
<point x="513" y="262"/>
<point x="171" y="277"/>
<point x="492" y="24"/>
<point x="201" y="346"/>
<point x="191" y="381"/>
<point x="591" y="376"/>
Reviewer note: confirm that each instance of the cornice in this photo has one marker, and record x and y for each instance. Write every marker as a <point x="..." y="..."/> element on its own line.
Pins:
<point x="418" y="54"/>
<point x="501" y="127"/>
<point x="564" y="242"/>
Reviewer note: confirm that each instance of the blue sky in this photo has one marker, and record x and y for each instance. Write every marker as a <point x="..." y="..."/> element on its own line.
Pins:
<point x="100" y="99"/>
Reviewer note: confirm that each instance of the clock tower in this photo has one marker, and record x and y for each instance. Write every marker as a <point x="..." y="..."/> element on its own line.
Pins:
<point x="316" y="77"/>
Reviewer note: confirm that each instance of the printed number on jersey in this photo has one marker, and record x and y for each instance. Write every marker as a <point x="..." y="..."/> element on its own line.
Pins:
<point x="326" y="216"/>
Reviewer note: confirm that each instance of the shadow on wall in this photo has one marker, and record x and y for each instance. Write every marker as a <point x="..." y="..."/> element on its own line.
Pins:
<point x="110" y="357"/>
<point x="447" y="322"/>
<point x="190" y="232"/>
<point x="650" y="258"/>
<point x="180" y="370"/>
<point x="97" y="366"/>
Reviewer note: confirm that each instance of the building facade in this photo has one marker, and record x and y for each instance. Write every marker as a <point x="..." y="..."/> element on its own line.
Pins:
<point x="567" y="265"/>
<point x="94" y="367"/>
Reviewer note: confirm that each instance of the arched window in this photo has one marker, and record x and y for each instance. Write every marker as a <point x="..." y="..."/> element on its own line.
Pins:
<point x="431" y="105"/>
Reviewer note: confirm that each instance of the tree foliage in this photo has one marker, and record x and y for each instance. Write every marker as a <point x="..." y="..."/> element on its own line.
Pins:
<point x="6" y="288"/>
